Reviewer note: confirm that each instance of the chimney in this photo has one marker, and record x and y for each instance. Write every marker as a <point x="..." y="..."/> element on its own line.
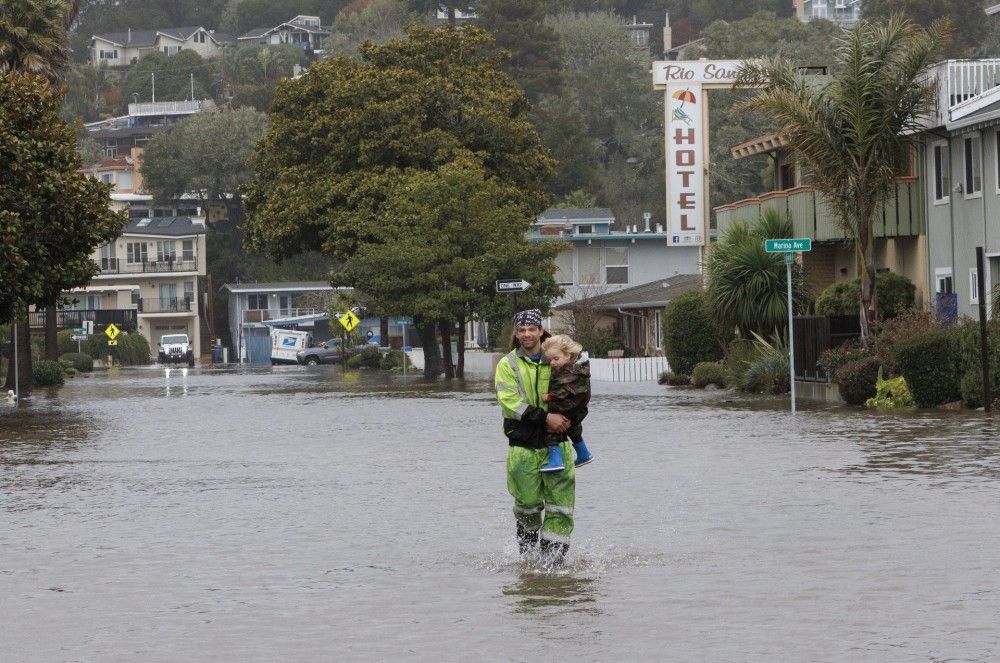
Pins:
<point x="668" y="39"/>
<point x="646" y="216"/>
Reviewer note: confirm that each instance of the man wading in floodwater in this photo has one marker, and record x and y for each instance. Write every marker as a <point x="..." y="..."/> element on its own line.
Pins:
<point x="542" y="501"/>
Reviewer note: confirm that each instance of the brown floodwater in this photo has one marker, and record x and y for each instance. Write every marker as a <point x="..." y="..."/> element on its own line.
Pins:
<point x="308" y="514"/>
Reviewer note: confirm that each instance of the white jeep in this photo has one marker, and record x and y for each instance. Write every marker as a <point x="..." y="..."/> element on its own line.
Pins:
<point x="175" y="348"/>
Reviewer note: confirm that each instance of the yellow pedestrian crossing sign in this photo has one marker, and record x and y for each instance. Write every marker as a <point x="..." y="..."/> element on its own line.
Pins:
<point x="112" y="332"/>
<point x="349" y="321"/>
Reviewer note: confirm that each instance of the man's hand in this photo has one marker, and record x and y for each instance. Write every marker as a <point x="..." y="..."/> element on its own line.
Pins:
<point x="556" y="423"/>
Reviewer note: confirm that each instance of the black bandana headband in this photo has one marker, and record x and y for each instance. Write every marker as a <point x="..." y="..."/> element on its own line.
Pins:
<point x="530" y="318"/>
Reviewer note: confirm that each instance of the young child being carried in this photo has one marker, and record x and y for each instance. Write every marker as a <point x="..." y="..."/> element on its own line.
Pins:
<point x="569" y="394"/>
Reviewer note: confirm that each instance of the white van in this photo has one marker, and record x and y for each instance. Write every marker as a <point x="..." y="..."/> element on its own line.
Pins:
<point x="285" y="343"/>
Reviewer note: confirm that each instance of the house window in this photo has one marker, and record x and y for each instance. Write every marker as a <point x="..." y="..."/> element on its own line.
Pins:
<point x="108" y="55"/>
<point x="171" y="50"/>
<point x="945" y="284"/>
<point x="616" y="265"/>
<point x="108" y="257"/>
<point x="189" y="291"/>
<point x="973" y="166"/>
<point x="108" y="178"/>
<point x="942" y="172"/>
<point x="135" y="252"/>
<point x="187" y="250"/>
<point x="973" y="286"/>
<point x="564" y="268"/>
<point x="200" y="38"/>
<point x="585" y="230"/>
<point x="168" y="296"/>
<point x="257" y="302"/>
<point x="135" y="298"/>
<point x="165" y="250"/>
<point x="589" y="261"/>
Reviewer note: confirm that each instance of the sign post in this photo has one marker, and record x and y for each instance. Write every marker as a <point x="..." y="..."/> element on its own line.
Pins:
<point x="402" y="322"/>
<point x="789" y="247"/>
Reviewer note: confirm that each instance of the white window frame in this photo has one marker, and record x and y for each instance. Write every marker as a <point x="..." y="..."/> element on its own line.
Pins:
<point x="973" y="285"/>
<point x="945" y="171"/>
<point x="136" y="253"/>
<point x="166" y="250"/>
<point x="608" y="265"/>
<point x="969" y="175"/>
<point x="996" y="159"/>
<point x="943" y="273"/>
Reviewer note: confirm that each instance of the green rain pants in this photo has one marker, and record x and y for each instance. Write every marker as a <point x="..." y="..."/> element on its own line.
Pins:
<point x="542" y="500"/>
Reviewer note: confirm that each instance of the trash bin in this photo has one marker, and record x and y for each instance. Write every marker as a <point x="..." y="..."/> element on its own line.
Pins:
<point x="217" y="354"/>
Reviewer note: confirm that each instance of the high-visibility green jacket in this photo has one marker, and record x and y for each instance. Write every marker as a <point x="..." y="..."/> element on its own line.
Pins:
<point x="520" y="384"/>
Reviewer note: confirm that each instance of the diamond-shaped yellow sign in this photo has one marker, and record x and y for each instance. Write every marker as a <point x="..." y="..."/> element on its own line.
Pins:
<point x="112" y="332"/>
<point x="349" y="321"/>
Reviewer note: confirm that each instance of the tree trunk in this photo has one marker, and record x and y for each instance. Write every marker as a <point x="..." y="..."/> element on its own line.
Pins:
<point x="866" y="274"/>
<point x="51" y="330"/>
<point x="25" y="380"/>
<point x="432" y="353"/>
<point x="460" y="371"/>
<point x="449" y="367"/>
<point x="383" y="332"/>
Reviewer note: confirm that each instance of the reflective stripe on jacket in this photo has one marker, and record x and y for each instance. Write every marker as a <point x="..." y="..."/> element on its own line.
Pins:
<point x="520" y="384"/>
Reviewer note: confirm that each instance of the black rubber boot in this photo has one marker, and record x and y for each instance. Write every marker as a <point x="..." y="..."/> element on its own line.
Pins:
<point x="526" y="539"/>
<point x="553" y="552"/>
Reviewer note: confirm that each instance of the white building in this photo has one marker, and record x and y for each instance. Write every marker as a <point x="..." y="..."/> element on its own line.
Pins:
<point x="123" y="49"/>
<point x="845" y="12"/>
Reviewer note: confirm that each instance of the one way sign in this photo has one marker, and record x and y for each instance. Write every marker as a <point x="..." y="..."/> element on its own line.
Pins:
<point x="513" y="285"/>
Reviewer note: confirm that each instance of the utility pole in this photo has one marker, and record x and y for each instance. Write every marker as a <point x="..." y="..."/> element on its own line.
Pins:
<point x="152" y="76"/>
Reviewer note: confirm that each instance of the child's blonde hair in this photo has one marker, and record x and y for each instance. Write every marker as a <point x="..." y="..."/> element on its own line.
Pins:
<point x="564" y="343"/>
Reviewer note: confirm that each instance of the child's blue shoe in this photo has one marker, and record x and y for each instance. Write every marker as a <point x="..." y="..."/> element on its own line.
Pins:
<point x="583" y="455"/>
<point x="555" y="463"/>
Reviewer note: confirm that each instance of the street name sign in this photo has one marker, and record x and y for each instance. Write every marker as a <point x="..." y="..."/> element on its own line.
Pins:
<point x="788" y="245"/>
<point x="401" y="321"/>
<point x="112" y="332"/>
<point x="512" y="285"/>
<point x="349" y="321"/>
<point x="79" y="337"/>
<point x="79" y="330"/>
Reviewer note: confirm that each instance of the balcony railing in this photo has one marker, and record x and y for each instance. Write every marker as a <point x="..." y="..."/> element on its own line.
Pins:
<point x="263" y="315"/>
<point x="124" y="319"/>
<point x="119" y="266"/>
<point x="165" y="305"/>
<point x="903" y="216"/>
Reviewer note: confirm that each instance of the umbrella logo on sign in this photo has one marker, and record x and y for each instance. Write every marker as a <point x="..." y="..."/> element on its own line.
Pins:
<point x="685" y="97"/>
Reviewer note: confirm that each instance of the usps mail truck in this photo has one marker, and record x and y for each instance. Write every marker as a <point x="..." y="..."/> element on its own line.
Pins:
<point x="285" y="343"/>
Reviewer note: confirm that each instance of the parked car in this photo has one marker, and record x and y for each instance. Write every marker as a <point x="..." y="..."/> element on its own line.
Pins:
<point x="327" y="352"/>
<point x="175" y="348"/>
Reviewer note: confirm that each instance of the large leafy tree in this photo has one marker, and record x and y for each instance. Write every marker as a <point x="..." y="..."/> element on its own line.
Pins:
<point x="253" y="72"/>
<point x="51" y="215"/>
<point x="33" y="37"/>
<point x="855" y="134"/>
<point x="344" y="136"/>
<point x="519" y="28"/>
<point x="207" y="155"/>
<point x="171" y="75"/>
<point x="370" y="20"/>
<point x="966" y="17"/>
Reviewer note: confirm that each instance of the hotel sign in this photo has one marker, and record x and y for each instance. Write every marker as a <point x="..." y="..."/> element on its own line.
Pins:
<point x="686" y="122"/>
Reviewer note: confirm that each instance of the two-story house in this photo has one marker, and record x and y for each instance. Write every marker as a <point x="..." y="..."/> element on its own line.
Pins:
<point x="118" y="135"/>
<point x="123" y="49"/>
<point x="306" y="32"/>
<point x="844" y="12"/>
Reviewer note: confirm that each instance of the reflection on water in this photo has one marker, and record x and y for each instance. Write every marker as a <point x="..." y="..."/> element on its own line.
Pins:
<point x="551" y="593"/>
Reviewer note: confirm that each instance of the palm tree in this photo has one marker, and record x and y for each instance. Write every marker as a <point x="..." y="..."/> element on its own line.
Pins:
<point x="747" y="286"/>
<point x="854" y="134"/>
<point x="33" y="36"/>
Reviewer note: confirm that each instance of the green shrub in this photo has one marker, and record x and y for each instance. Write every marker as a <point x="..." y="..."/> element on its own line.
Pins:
<point x="831" y="360"/>
<point x="856" y="380"/>
<point x="132" y="349"/>
<point x="393" y="360"/>
<point x="70" y="372"/>
<point x="355" y="361"/>
<point x="971" y="388"/>
<point x="893" y="293"/>
<point x="741" y="353"/>
<point x="674" y="379"/>
<point x="597" y="342"/>
<point x="370" y="357"/>
<point x="767" y="374"/>
<point x="690" y="332"/>
<point x="889" y="333"/>
<point x="65" y="342"/>
<point x="930" y="364"/>
<point x="890" y="394"/>
<point x="81" y="362"/>
<point x="969" y="354"/>
<point x="47" y="373"/>
<point x="708" y="372"/>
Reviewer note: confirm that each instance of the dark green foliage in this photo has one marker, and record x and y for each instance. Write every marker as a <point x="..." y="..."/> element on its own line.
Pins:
<point x="856" y="380"/>
<point x="519" y="28"/>
<point x="706" y="373"/>
<point x="930" y="363"/>
<point x="355" y="362"/>
<point x="674" y="379"/>
<point x="890" y="332"/>
<point x="895" y="293"/>
<point x="971" y="388"/>
<point x="969" y="23"/>
<point x="739" y="355"/>
<point x="132" y="349"/>
<point x="831" y="360"/>
<point x="83" y="363"/>
<point x="173" y="77"/>
<point x="370" y="357"/>
<point x="598" y="342"/>
<point x="767" y="374"/>
<point x="47" y="373"/>
<point x="971" y="362"/>
<point x="393" y="361"/>
<point x="690" y="332"/>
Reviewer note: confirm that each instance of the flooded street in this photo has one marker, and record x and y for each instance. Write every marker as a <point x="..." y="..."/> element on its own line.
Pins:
<point x="306" y="514"/>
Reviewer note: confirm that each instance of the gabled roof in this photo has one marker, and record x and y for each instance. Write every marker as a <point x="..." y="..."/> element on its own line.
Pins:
<point x="118" y="163"/>
<point x="563" y="214"/>
<point x="172" y="226"/>
<point x="257" y="33"/>
<point x="147" y="38"/>
<point x="280" y="286"/>
<point x="655" y="294"/>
